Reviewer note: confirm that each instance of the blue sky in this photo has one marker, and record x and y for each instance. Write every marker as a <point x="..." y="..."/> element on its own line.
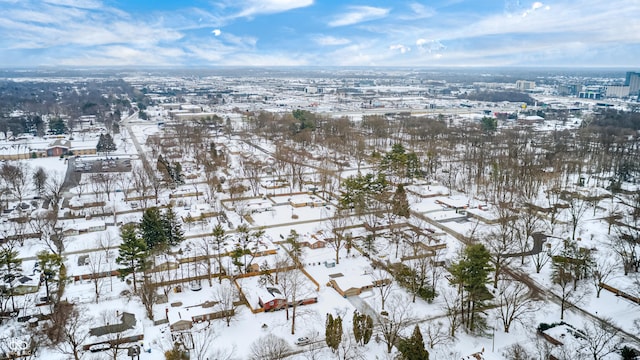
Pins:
<point x="425" y="33"/>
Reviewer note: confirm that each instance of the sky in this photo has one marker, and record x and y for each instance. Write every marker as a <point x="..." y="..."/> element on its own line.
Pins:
<point x="414" y="33"/>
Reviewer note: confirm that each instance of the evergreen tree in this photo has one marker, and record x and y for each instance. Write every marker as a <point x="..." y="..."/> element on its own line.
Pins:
<point x="152" y="229"/>
<point x="219" y="241"/>
<point x="362" y="328"/>
<point x="357" y="330"/>
<point x="358" y="189"/>
<point x="133" y="252"/>
<point x="489" y="124"/>
<point x="172" y="227"/>
<point x="333" y="332"/>
<point x="177" y="175"/>
<point x="105" y="144"/>
<point x="57" y="126"/>
<point x="413" y="347"/>
<point x="296" y="248"/>
<point x="10" y="265"/>
<point x="50" y="264"/>
<point x="400" y="202"/>
<point x="471" y="274"/>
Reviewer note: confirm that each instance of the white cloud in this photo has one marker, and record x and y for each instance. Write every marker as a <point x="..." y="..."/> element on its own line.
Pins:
<point x="255" y="7"/>
<point x="401" y="48"/>
<point x="331" y="40"/>
<point x="535" y="6"/>
<point x="429" y="46"/>
<point x="589" y="21"/>
<point x="216" y="32"/>
<point x="83" y="4"/>
<point x="30" y="26"/>
<point x="419" y="11"/>
<point x="358" y="14"/>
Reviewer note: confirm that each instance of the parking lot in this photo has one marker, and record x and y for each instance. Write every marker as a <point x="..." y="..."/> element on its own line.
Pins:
<point x="111" y="164"/>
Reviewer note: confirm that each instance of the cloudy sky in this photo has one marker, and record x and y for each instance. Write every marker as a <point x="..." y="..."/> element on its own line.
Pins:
<point x="80" y="33"/>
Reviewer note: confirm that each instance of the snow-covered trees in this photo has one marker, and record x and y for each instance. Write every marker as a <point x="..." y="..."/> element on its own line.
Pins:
<point x="133" y="252"/>
<point x="471" y="275"/>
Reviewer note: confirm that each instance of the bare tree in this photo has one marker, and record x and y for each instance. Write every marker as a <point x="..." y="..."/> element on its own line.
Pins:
<point x="577" y="209"/>
<point x="51" y="233"/>
<point x="349" y="349"/>
<point x="124" y="182"/>
<point x="517" y="352"/>
<point x="542" y="258"/>
<point x="500" y="242"/>
<point x="106" y="183"/>
<point x="624" y="244"/>
<point x="435" y="333"/>
<point x="226" y="296"/>
<point x="16" y="178"/>
<point x="54" y="190"/>
<point x="96" y="271"/>
<point x="81" y="187"/>
<point x="514" y="303"/>
<point x="599" y="338"/>
<point x="337" y="226"/>
<point x="601" y="271"/>
<point x="141" y="184"/>
<point x="206" y="245"/>
<point x="39" y="178"/>
<point x="269" y="347"/>
<point x="67" y="329"/>
<point x="252" y="171"/>
<point x="564" y="281"/>
<point x="110" y="317"/>
<point x="106" y="241"/>
<point x="382" y="281"/>
<point x="399" y="317"/>
<point x="453" y="308"/>
<point x="148" y="295"/>
<point x="202" y="341"/>
<point x="527" y="223"/>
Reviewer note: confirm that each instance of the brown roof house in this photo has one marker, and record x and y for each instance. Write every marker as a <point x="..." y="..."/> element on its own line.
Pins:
<point x="58" y="147"/>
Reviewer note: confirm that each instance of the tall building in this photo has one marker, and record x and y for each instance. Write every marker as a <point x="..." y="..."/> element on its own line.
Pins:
<point x="523" y="85"/>
<point x="617" y="91"/>
<point x="633" y="81"/>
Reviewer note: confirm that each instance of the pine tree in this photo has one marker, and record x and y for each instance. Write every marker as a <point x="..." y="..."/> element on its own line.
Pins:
<point x="368" y="330"/>
<point x="152" y="229"/>
<point x="219" y="240"/>
<point x="105" y="144"/>
<point x="362" y="328"/>
<point x="172" y="227"/>
<point x="357" y="330"/>
<point x="333" y="332"/>
<point x="10" y="265"/>
<point x="400" y="202"/>
<point x="50" y="264"/>
<point x="413" y="347"/>
<point x="471" y="274"/>
<point x="133" y="252"/>
<point x="296" y="248"/>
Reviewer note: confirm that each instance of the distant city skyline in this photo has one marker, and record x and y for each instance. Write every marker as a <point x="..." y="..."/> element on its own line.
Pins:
<point x="440" y="33"/>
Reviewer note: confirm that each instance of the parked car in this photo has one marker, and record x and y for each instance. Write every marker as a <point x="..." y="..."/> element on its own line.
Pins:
<point x="303" y="341"/>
